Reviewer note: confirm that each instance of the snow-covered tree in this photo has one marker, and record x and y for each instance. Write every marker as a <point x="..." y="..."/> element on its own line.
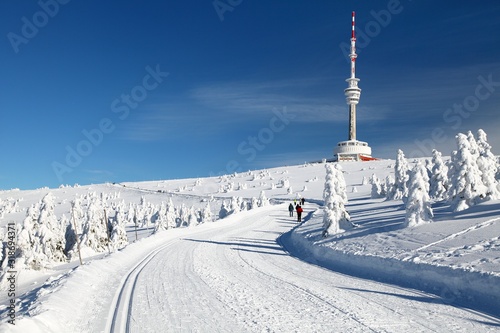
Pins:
<point x="118" y="238"/>
<point x="438" y="183"/>
<point x="95" y="228"/>
<point x="74" y="236"/>
<point x="400" y="190"/>
<point x="224" y="211"/>
<point x="389" y="187"/>
<point x="4" y="254"/>
<point x="51" y="233"/>
<point x="206" y="214"/>
<point x="466" y="186"/>
<point x="241" y="186"/>
<point x="161" y="221"/>
<point x="284" y="183"/>
<point x="235" y="205"/>
<point x="336" y="219"/>
<point x="166" y="217"/>
<point x="254" y="203"/>
<point x="171" y="214"/>
<point x="70" y="236"/>
<point x="28" y="241"/>
<point x="192" y="217"/>
<point x="183" y="216"/>
<point x="418" y="207"/>
<point x="244" y="205"/>
<point x="378" y="190"/>
<point x="263" y="200"/>
<point x="487" y="163"/>
<point x="473" y="146"/>
<point x="41" y="239"/>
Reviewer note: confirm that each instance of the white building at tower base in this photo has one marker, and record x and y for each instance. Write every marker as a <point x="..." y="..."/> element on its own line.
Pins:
<point x="352" y="150"/>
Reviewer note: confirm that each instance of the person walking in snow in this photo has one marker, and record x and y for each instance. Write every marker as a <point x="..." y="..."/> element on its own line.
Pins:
<point x="302" y="201"/>
<point x="299" y="213"/>
<point x="290" y="209"/>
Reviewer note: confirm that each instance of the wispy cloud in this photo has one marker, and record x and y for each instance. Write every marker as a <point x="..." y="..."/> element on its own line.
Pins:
<point x="307" y="98"/>
<point x="215" y="107"/>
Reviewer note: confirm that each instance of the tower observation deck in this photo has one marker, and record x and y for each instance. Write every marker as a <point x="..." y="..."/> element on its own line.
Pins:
<point x="352" y="149"/>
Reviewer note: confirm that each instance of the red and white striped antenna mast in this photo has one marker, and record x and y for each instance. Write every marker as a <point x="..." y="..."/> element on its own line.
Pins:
<point x="353" y="54"/>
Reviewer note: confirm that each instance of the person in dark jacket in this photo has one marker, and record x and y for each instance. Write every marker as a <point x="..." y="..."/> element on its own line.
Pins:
<point x="299" y="213"/>
<point x="291" y="209"/>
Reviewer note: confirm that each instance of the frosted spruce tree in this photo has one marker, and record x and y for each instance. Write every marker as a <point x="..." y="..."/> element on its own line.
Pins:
<point x="118" y="234"/>
<point x="418" y="207"/>
<point x="171" y="214"/>
<point x="254" y="203"/>
<point x="224" y="211"/>
<point x="166" y="216"/>
<point x="28" y="241"/>
<point x="50" y="233"/>
<point x="466" y="185"/>
<point x="488" y="166"/>
<point x="438" y="183"/>
<point x="74" y="234"/>
<point x="95" y="229"/>
<point x="192" y="217"/>
<point x="183" y="216"/>
<point x="378" y="190"/>
<point x="161" y="220"/>
<point x="473" y="146"/>
<point x="206" y="214"/>
<point x="401" y="177"/>
<point x="263" y="200"/>
<point x="336" y="219"/>
<point x="389" y="187"/>
<point x="235" y="205"/>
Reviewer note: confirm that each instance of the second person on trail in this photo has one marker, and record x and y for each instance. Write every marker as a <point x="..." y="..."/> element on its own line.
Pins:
<point x="290" y="209"/>
<point x="299" y="213"/>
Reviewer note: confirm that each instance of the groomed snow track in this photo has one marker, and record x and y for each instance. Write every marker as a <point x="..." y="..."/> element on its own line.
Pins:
<point x="119" y="316"/>
<point x="237" y="277"/>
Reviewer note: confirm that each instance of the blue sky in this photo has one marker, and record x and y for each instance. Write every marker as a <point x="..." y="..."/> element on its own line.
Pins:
<point x="132" y="90"/>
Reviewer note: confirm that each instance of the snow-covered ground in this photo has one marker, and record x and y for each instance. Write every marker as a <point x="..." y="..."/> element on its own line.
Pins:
<point x="260" y="270"/>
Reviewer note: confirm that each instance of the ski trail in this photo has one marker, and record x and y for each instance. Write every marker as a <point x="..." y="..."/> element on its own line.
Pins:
<point x="457" y="234"/>
<point x="119" y="312"/>
<point x="240" y="278"/>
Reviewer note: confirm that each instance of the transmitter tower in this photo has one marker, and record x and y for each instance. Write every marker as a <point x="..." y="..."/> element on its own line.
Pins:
<point x="352" y="149"/>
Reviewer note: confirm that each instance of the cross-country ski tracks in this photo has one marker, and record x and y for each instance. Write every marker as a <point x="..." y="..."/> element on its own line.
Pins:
<point x="460" y="233"/>
<point x="237" y="278"/>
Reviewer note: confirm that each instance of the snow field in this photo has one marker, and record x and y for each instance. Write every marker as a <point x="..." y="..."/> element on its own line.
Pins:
<point x="456" y="257"/>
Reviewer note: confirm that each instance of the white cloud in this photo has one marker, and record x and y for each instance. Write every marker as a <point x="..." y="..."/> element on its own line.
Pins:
<point x="301" y="97"/>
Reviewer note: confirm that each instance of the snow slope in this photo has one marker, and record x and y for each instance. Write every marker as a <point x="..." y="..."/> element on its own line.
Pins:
<point x="259" y="270"/>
